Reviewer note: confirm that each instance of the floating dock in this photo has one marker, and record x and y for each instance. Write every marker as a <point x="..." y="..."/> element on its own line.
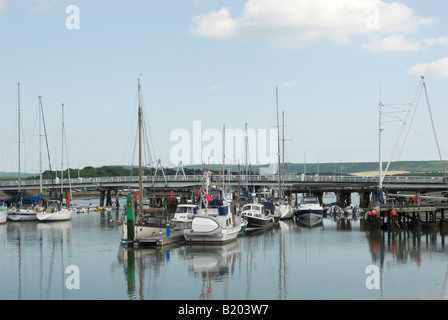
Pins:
<point x="160" y="240"/>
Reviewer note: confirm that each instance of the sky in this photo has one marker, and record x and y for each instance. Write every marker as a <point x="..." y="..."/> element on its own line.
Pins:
<point x="206" y="66"/>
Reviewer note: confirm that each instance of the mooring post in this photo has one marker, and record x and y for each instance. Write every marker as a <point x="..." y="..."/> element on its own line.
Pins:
<point x="130" y="215"/>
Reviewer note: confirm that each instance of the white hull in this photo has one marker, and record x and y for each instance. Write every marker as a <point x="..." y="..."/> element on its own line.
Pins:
<point x="22" y="215"/>
<point x="63" y="214"/>
<point x="284" y="211"/>
<point x="212" y="230"/>
<point x="2" y="216"/>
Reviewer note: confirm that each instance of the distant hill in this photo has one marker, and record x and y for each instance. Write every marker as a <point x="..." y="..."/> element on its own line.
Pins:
<point x="335" y="168"/>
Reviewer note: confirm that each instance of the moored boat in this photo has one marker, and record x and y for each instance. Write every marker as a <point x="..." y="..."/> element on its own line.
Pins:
<point x="309" y="211"/>
<point x="259" y="215"/>
<point x="183" y="215"/>
<point x="2" y="213"/>
<point x="217" y="226"/>
<point x="55" y="212"/>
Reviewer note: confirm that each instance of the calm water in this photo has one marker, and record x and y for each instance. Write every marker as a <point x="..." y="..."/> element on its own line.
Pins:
<point x="289" y="262"/>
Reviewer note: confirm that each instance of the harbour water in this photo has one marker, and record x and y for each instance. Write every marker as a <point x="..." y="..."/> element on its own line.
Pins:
<point x="83" y="259"/>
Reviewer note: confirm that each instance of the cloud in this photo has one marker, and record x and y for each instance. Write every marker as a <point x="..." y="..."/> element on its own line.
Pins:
<point x="41" y="5"/>
<point x="438" y="68"/>
<point x="392" y="43"/>
<point x="400" y="43"/>
<point x="297" y="23"/>
<point x="214" y="88"/>
<point x="3" y="4"/>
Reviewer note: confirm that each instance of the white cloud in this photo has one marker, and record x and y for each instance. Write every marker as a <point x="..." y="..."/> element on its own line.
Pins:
<point x="392" y="43"/>
<point x="214" y="88"/>
<point x="442" y="41"/>
<point x="216" y="24"/>
<point x="41" y="5"/>
<point x="438" y="68"/>
<point x="296" y="23"/>
<point x="3" y="4"/>
<point x="400" y="43"/>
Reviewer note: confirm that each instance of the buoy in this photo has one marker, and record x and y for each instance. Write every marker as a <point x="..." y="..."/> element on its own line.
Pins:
<point x="393" y="212"/>
<point x="373" y="212"/>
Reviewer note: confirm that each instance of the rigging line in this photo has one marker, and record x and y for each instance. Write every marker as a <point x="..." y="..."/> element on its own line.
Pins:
<point x="432" y="122"/>
<point x="410" y="125"/>
<point x="146" y="124"/>
<point x="48" y="150"/>
<point x="402" y="128"/>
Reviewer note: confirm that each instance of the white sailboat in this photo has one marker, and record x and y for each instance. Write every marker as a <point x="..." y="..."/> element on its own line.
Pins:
<point x="283" y="208"/>
<point x="54" y="210"/>
<point x="21" y="211"/>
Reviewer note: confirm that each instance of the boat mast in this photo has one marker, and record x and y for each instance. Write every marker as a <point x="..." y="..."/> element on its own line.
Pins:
<point x="62" y="157"/>
<point x="278" y="145"/>
<point x="380" y="130"/>
<point x="140" y="178"/>
<point x="283" y="155"/>
<point x="18" y="102"/>
<point x="40" y="144"/>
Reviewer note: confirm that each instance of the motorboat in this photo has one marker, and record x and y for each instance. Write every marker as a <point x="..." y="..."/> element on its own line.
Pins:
<point x="183" y="215"/>
<point x="309" y="211"/>
<point x="259" y="215"/>
<point x="215" y="224"/>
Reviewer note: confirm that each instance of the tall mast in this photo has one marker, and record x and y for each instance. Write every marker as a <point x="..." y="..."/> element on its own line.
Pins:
<point x="62" y="156"/>
<point x="278" y="143"/>
<point x="283" y="155"/>
<point x="140" y="185"/>
<point x="18" y="102"/>
<point x="380" y="130"/>
<point x="40" y="144"/>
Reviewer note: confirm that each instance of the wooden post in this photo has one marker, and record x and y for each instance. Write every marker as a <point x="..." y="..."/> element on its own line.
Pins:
<point x="130" y="215"/>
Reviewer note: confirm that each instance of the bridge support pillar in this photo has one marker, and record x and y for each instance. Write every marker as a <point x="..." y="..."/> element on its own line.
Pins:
<point x="343" y="199"/>
<point x="102" y="194"/>
<point x="364" y="199"/>
<point x="108" y="198"/>
<point x="319" y="195"/>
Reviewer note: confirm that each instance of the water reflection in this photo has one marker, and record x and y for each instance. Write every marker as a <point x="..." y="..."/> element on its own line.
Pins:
<point x="40" y="270"/>
<point x="279" y="263"/>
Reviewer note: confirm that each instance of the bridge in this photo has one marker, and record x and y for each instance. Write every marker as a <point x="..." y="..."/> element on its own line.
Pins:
<point x="185" y="185"/>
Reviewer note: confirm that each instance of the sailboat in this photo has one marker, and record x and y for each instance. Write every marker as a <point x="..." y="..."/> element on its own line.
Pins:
<point x="150" y="225"/>
<point x="282" y="208"/>
<point x="23" y="210"/>
<point x="54" y="210"/>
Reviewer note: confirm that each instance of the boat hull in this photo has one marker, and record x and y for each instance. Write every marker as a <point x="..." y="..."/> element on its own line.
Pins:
<point x="22" y="215"/>
<point x="255" y="222"/>
<point x="3" y="216"/>
<point x="209" y="230"/>
<point x="309" y="218"/>
<point x="64" y="214"/>
<point x="284" y="211"/>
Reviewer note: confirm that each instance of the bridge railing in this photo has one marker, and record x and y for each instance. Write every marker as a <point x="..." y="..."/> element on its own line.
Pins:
<point x="132" y="180"/>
